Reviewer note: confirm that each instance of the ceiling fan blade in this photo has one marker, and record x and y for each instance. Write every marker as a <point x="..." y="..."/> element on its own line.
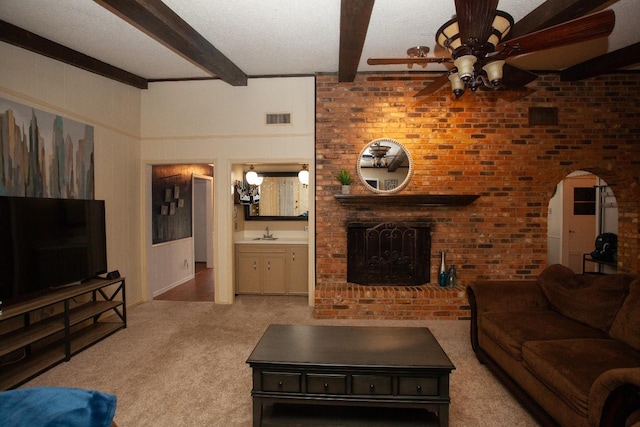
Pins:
<point x="578" y="30"/>
<point x="514" y="77"/>
<point x="603" y="64"/>
<point x="553" y="12"/>
<point x="475" y="18"/>
<point x="433" y="87"/>
<point x="392" y="61"/>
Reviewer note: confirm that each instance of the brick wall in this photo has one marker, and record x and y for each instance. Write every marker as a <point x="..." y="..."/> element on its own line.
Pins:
<point x="476" y="145"/>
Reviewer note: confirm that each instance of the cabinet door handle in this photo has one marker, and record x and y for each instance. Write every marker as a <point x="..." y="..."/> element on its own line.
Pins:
<point x="254" y="265"/>
<point x="269" y="265"/>
<point x="293" y="256"/>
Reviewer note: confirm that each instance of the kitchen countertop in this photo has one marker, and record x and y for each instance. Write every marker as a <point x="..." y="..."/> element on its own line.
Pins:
<point x="278" y="241"/>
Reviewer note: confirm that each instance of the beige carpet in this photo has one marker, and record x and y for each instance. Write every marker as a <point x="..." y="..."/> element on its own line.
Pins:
<point x="183" y="364"/>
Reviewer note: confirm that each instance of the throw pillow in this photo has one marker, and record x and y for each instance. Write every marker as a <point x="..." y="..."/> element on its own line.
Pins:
<point x="590" y="299"/>
<point x="627" y="323"/>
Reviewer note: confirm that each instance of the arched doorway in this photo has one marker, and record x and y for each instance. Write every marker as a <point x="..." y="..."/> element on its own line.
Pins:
<point x="582" y="207"/>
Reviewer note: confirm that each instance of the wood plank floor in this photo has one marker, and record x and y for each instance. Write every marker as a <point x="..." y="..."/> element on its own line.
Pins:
<point x="200" y="288"/>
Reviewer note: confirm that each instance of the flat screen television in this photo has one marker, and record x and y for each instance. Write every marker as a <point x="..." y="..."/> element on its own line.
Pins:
<point x="47" y="243"/>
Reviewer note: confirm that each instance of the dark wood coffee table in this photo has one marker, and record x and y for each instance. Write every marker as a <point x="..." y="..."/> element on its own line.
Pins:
<point x="394" y="367"/>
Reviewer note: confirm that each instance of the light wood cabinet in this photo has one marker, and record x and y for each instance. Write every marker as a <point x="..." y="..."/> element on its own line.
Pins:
<point x="277" y="269"/>
<point x="298" y="280"/>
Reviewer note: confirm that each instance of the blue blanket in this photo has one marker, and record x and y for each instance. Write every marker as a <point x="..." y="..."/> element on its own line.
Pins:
<point x="56" y="407"/>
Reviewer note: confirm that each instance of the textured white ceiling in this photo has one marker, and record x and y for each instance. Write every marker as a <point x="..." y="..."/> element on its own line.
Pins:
<point x="282" y="37"/>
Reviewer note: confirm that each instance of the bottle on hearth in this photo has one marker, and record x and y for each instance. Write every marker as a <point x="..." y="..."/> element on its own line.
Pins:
<point x="451" y="277"/>
<point x="442" y="277"/>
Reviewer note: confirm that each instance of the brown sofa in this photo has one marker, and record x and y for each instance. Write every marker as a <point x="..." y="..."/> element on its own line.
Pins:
<point x="567" y="345"/>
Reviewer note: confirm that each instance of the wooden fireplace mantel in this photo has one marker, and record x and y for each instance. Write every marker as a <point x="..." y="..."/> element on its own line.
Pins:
<point x="417" y="200"/>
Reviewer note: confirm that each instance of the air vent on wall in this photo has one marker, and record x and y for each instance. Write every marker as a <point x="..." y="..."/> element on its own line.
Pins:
<point x="278" y="119"/>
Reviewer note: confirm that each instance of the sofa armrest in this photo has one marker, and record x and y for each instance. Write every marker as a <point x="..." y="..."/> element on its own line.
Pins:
<point x="500" y="295"/>
<point x="615" y="397"/>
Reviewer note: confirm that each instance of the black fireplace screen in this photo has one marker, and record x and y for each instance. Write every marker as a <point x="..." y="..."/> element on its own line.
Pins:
<point x="388" y="253"/>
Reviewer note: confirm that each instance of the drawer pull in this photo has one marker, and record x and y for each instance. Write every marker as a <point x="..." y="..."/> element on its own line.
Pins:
<point x="280" y="383"/>
<point x="419" y="388"/>
<point x="372" y="386"/>
<point x="326" y="386"/>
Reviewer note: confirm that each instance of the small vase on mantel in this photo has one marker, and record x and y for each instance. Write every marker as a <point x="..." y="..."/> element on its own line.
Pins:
<point x="345" y="189"/>
<point x="452" y="279"/>
<point x="442" y="276"/>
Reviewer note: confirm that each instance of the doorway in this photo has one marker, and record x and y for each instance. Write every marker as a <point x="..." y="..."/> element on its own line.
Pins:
<point x="579" y="215"/>
<point x="201" y="286"/>
<point x="582" y="207"/>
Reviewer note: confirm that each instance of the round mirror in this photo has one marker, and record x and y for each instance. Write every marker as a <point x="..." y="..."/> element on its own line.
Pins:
<point x="385" y="166"/>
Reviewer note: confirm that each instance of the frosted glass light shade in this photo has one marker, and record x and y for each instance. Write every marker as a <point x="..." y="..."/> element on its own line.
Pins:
<point x="464" y="64"/>
<point x="494" y="71"/>
<point x="457" y="85"/>
<point x="303" y="176"/>
<point x="252" y="177"/>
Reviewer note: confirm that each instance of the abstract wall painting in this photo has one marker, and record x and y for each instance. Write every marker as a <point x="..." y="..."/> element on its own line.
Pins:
<point x="43" y="154"/>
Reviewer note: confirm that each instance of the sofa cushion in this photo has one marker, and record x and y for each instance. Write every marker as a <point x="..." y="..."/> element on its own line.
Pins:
<point x="570" y="367"/>
<point x="590" y="299"/>
<point x="511" y="329"/>
<point x="626" y="325"/>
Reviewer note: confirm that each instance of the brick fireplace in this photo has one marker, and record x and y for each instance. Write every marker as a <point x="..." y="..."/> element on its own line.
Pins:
<point x="477" y="145"/>
<point x="389" y="269"/>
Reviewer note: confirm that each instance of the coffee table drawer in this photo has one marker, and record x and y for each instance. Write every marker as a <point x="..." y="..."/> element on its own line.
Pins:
<point x="281" y="381"/>
<point x="409" y="386"/>
<point x="326" y="384"/>
<point x="371" y="384"/>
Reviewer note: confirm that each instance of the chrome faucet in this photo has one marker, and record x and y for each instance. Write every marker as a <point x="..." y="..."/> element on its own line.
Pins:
<point x="267" y="236"/>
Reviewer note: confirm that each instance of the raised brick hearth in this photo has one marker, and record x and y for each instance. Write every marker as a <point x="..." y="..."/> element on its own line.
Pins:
<point x="350" y="301"/>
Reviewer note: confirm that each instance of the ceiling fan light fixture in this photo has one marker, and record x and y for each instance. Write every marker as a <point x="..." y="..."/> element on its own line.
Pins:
<point x="500" y="27"/>
<point x="464" y="64"/>
<point x="494" y="72"/>
<point x="448" y="36"/>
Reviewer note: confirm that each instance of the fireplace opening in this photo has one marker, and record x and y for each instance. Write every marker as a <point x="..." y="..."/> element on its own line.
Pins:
<point x="389" y="253"/>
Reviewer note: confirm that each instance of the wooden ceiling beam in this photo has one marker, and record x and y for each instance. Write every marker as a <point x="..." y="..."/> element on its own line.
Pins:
<point x="354" y="22"/>
<point x="553" y="12"/>
<point x="603" y="64"/>
<point x="20" y="37"/>
<point x="157" y="20"/>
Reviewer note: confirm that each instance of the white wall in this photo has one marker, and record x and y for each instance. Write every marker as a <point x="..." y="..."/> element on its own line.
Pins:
<point x="113" y="109"/>
<point x="212" y="122"/>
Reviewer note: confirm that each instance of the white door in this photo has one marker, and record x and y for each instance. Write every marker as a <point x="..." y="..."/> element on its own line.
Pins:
<point x="579" y="220"/>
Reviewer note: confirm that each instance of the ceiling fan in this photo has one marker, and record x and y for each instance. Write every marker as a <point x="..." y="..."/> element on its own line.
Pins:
<point x="478" y="42"/>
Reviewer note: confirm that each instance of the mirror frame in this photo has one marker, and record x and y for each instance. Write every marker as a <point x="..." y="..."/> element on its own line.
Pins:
<point x="247" y="208"/>
<point x="401" y="185"/>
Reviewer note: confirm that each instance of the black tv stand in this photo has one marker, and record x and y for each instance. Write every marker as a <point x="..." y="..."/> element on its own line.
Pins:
<point x="49" y="329"/>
